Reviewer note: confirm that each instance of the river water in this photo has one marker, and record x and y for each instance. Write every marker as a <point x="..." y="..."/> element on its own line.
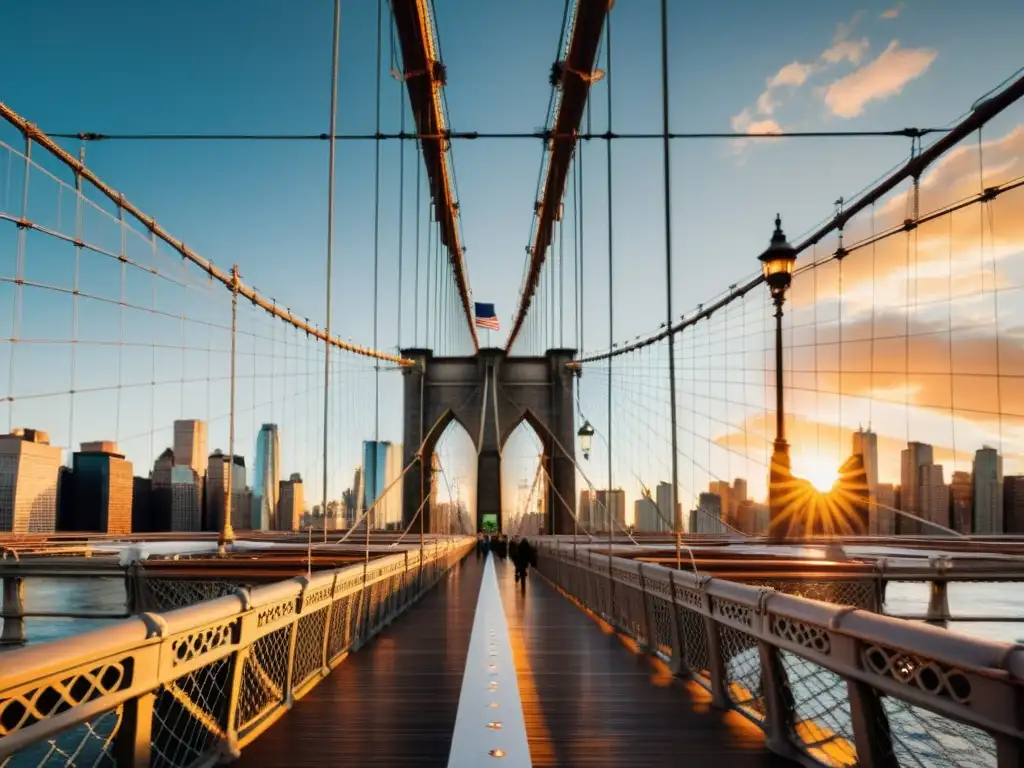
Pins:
<point x="108" y="596"/>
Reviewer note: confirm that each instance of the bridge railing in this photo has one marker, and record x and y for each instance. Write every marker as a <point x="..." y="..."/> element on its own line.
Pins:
<point x="195" y="685"/>
<point x="828" y="684"/>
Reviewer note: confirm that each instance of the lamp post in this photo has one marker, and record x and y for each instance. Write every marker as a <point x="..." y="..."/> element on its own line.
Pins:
<point x="585" y="434"/>
<point x="777" y="263"/>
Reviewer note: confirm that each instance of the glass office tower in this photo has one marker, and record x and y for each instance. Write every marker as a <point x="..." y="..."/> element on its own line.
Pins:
<point x="266" y="477"/>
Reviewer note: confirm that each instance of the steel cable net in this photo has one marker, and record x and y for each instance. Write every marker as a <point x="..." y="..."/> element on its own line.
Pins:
<point x="901" y="328"/>
<point x="112" y="336"/>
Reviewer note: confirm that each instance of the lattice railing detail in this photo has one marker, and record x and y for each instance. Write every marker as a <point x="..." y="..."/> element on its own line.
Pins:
<point x="203" y="682"/>
<point x="309" y="646"/>
<point x="91" y="744"/>
<point x="163" y="594"/>
<point x="190" y="714"/>
<point x="196" y="644"/>
<point x="801" y="633"/>
<point x="660" y="612"/>
<point x="923" y="738"/>
<point x="21" y="709"/>
<point x="264" y="677"/>
<point x="822" y="724"/>
<point x="742" y="670"/>
<point x="815" y="667"/>
<point x="859" y="594"/>
<point x="727" y="609"/>
<point x="694" y="641"/>
<point x="341" y="626"/>
<point x="910" y="669"/>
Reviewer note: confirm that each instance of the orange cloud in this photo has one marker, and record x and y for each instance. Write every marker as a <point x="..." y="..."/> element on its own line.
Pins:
<point x="892" y="13"/>
<point x="880" y="79"/>
<point x="744" y="123"/>
<point x="792" y="76"/>
<point x="957" y="259"/>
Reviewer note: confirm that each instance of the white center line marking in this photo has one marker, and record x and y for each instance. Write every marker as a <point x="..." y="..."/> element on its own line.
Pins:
<point x="489" y="683"/>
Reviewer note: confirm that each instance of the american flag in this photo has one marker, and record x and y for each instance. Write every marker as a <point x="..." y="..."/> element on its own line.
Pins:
<point x="486" y="316"/>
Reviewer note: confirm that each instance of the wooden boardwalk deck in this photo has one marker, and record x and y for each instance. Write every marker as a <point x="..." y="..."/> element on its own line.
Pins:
<point x="391" y="703"/>
<point x="588" y="699"/>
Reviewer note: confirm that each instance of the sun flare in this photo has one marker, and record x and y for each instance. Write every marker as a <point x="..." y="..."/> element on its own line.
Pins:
<point x="821" y="471"/>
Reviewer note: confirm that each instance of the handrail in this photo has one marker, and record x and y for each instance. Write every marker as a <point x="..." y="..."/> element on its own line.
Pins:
<point x="207" y="678"/>
<point x="821" y="679"/>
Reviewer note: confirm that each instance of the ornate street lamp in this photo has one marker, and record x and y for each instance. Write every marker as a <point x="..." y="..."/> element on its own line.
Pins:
<point x="777" y="262"/>
<point x="586" y="433"/>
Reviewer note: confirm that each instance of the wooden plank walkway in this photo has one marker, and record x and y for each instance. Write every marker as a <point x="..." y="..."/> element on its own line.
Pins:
<point x="394" y="701"/>
<point x="589" y="700"/>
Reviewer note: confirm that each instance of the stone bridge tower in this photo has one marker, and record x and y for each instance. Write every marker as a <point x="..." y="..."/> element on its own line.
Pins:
<point x="490" y="394"/>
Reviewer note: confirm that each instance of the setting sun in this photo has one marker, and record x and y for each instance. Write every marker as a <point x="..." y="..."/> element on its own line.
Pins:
<point x="821" y="471"/>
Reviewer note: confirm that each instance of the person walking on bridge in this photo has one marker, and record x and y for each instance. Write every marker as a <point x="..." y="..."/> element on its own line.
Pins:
<point x="525" y="556"/>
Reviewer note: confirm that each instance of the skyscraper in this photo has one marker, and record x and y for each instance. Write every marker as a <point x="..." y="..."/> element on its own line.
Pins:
<point x="707" y="517"/>
<point x="186" y="499"/>
<point x="865" y="444"/>
<point x="103" y="488"/>
<point x="885" y="504"/>
<point x="216" y="493"/>
<point x="190" y="444"/>
<point x="584" y="513"/>
<point x="29" y="469"/>
<point x="988" y="491"/>
<point x="1013" y="504"/>
<point x="162" y="494"/>
<point x="961" y="491"/>
<point x="266" y="478"/>
<point x="609" y="509"/>
<point x="382" y="466"/>
<point x="290" y="504"/>
<point x="645" y="515"/>
<point x="663" y="498"/>
<point x="143" y="520"/>
<point x="722" y="490"/>
<point x="914" y="456"/>
<point x="933" y="497"/>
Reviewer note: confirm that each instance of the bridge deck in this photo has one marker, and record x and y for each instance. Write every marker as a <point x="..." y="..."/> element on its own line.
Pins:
<point x="587" y="698"/>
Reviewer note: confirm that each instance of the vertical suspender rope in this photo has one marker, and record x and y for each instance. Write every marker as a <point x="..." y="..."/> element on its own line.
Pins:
<point x="123" y="259"/>
<point x="438" y="293"/>
<point x="676" y="510"/>
<point x="561" y="280"/>
<point x="16" y="320"/>
<point x="330" y="247"/>
<point x="611" y="292"/>
<point x="79" y="225"/>
<point x="401" y="188"/>
<point x="429" y="266"/>
<point x="376" y="275"/>
<point x="227" y="533"/>
<point x="152" y="355"/>
<point x="416" y="281"/>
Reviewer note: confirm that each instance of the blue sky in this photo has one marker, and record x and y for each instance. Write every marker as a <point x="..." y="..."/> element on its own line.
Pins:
<point x="264" y="67"/>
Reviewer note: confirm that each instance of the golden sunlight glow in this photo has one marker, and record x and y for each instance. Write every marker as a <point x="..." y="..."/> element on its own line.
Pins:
<point x="821" y="471"/>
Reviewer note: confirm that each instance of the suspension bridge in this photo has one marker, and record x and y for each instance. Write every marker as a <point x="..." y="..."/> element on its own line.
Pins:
<point x="288" y="500"/>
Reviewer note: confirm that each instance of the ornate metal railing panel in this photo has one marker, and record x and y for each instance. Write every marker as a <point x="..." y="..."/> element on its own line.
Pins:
<point x="829" y="684"/>
<point x="194" y="686"/>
